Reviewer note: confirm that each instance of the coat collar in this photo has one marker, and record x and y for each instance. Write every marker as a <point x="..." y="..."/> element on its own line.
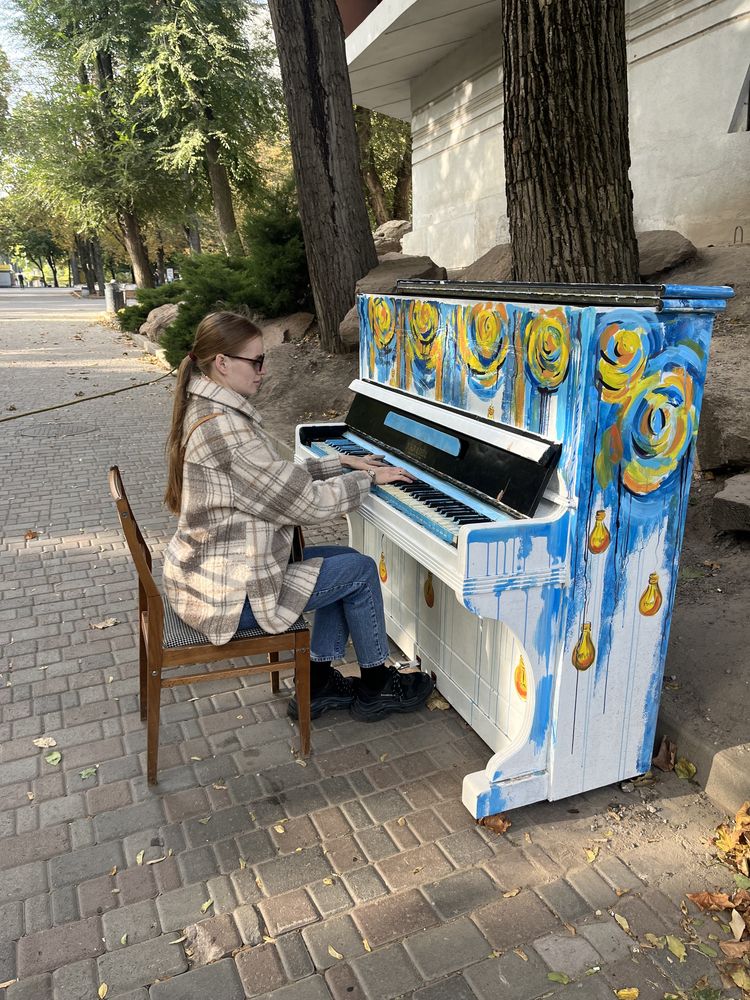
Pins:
<point x="206" y="388"/>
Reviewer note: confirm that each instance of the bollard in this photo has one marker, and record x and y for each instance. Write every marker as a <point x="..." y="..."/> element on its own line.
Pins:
<point x="113" y="297"/>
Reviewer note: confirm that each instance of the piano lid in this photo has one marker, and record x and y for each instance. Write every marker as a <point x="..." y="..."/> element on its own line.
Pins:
<point x="503" y="466"/>
<point x="657" y="297"/>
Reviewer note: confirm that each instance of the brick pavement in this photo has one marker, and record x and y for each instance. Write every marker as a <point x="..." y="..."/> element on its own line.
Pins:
<point x="358" y="875"/>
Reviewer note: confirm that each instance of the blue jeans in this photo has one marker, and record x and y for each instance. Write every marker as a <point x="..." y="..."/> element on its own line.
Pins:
<point x="347" y="601"/>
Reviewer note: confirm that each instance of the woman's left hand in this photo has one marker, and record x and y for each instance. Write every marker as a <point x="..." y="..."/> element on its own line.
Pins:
<point x="363" y="462"/>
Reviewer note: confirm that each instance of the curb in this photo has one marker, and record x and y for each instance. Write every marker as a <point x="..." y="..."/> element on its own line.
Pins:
<point x="151" y="348"/>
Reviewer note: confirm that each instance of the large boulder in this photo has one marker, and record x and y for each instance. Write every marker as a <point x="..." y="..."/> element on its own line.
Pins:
<point x="660" y="250"/>
<point x="349" y="329"/>
<point x="396" y="266"/>
<point x="495" y="265"/>
<point x="724" y="432"/>
<point x="387" y="238"/>
<point x="284" y="329"/>
<point x="731" y="508"/>
<point x="158" y="320"/>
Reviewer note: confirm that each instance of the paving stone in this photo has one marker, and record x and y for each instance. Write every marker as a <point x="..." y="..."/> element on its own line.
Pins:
<point x="181" y="907"/>
<point x="136" y="884"/>
<point x="376" y="843"/>
<point x="285" y="874"/>
<point x="185" y="804"/>
<point x="609" y="939"/>
<point x="287" y="912"/>
<point x="17" y="851"/>
<point x="109" y="797"/>
<point x="220" y="826"/>
<point x="389" y="804"/>
<point x="294" y="956"/>
<point x="338" y="933"/>
<point x="198" y="865"/>
<point x="260" y="970"/>
<point x="617" y="874"/>
<point x="246" y="887"/>
<point x="212" y="939"/>
<point x="342" y="983"/>
<point x="331" y="823"/>
<point x="220" y="980"/>
<point x="336" y="789"/>
<point x="77" y="866"/>
<point x="330" y="896"/>
<point x="141" y="964"/>
<point x="386" y="973"/>
<point x="414" y="867"/>
<point x="510" y="922"/>
<point x="465" y="848"/>
<point x="296" y="833"/>
<point x="11" y="921"/>
<point x="401" y="835"/>
<point x="304" y="799"/>
<point x="511" y="869"/>
<point x="446" y="948"/>
<point x="394" y="917"/>
<point x="564" y="901"/>
<point x="345" y="854"/>
<point x="64" y="905"/>
<point x="61" y="810"/>
<point x="77" y="981"/>
<point x="312" y="988"/>
<point x="426" y="825"/>
<point x="33" y="988"/>
<point x="461" y="893"/>
<point x="454" y="988"/>
<point x="248" y="924"/>
<point x="566" y="953"/>
<point x="50" y="949"/>
<point x="37" y="912"/>
<point x="255" y="846"/>
<point x="139" y="922"/>
<point x="592" y="887"/>
<point x="221" y="892"/>
<point x="638" y="971"/>
<point x="96" y="897"/>
<point x="131" y="819"/>
<point x="363" y="885"/>
<point x="685" y="974"/>
<point x="356" y="815"/>
<point x="510" y="976"/>
<point x="641" y="918"/>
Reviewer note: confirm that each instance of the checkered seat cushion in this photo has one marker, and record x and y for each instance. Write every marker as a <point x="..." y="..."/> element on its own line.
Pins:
<point x="177" y="633"/>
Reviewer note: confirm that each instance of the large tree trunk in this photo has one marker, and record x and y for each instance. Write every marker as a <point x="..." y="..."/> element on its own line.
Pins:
<point x="375" y="190"/>
<point x="193" y="235"/>
<point x="84" y="258"/>
<point x="53" y="268"/>
<point x="73" y="268"/>
<point x="402" y="191"/>
<point x="98" y="262"/>
<point x="131" y="232"/>
<point x="221" y="194"/>
<point x="570" y="204"/>
<point x="318" y="96"/>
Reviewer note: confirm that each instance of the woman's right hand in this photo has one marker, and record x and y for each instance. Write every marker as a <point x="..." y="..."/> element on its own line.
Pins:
<point x="390" y="474"/>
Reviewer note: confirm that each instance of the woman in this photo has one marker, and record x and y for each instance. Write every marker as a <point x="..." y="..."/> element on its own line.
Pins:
<point x="228" y="565"/>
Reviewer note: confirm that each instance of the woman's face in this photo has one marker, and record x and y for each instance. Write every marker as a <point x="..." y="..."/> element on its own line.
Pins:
<point x="243" y="369"/>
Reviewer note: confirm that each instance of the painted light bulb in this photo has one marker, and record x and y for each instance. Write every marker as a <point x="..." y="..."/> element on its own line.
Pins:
<point x="651" y="598"/>
<point x="382" y="568"/>
<point x="519" y="679"/>
<point x="584" y="652"/>
<point x="490" y="412"/>
<point x="600" y="537"/>
<point x="429" y="591"/>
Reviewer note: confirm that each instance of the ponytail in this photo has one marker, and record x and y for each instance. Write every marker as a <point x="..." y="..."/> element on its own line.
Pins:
<point x="175" y="448"/>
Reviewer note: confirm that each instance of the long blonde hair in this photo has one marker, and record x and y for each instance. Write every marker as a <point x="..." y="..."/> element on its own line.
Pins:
<point x="217" y="333"/>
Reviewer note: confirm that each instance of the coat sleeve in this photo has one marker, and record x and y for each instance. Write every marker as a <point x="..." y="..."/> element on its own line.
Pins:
<point x="323" y="468"/>
<point x="282" y="492"/>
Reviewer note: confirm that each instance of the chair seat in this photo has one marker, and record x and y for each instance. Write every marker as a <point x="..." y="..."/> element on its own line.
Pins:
<point x="177" y="633"/>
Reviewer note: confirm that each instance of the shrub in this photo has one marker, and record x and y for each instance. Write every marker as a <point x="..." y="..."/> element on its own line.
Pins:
<point x="131" y="317"/>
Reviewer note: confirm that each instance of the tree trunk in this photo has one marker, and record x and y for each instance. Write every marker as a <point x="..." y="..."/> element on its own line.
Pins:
<point x="131" y="231"/>
<point x="73" y="275"/>
<point x="161" y="272"/>
<point x="370" y="177"/>
<point x="53" y="268"/>
<point x="85" y="263"/>
<point x="98" y="262"/>
<point x="193" y="235"/>
<point x="402" y="190"/>
<point x="570" y="204"/>
<point x="221" y="195"/>
<point x="318" y="96"/>
<point x="40" y="264"/>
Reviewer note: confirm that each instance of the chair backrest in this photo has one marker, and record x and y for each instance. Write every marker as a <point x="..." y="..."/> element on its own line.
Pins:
<point x="139" y="550"/>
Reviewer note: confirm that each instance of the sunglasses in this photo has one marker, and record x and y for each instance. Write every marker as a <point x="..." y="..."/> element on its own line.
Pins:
<point x="257" y="363"/>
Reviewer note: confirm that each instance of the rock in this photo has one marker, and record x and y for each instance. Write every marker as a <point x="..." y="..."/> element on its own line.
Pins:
<point x="660" y="250"/>
<point x="349" y="329"/>
<point x="387" y="238"/>
<point x="286" y="328"/>
<point x="212" y="939"/>
<point x="731" y="507"/>
<point x="724" y="431"/>
<point x="495" y="265"/>
<point x="158" y="320"/>
<point x="395" y="266"/>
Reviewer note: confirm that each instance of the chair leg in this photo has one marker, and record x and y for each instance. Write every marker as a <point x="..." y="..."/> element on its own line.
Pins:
<point x="143" y="672"/>
<point x="274" y="658"/>
<point x="302" y="688"/>
<point x="152" y="722"/>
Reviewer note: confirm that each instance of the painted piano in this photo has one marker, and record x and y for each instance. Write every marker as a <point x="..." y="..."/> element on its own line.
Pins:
<point x="532" y="566"/>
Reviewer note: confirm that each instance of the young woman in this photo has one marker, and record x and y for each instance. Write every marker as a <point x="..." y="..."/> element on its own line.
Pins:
<point x="228" y="565"/>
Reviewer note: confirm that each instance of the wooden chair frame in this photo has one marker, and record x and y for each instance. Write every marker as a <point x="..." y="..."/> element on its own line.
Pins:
<point x="154" y="658"/>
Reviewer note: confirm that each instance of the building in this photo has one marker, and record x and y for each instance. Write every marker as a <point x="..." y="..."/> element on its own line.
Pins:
<point x="437" y="64"/>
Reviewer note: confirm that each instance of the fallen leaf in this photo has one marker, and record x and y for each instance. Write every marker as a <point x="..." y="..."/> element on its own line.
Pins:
<point x="102" y="991"/>
<point x="302" y="763"/>
<point x="383" y="757"/>
<point x="206" y="819"/>
<point x="243" y="864"/>
<point x="685" y="769"/>
<point x="737" y="924"/>
<point x="139" y="857"/>
<point x="656" y="942"/>
<point x="268" y="940"/>
<point x="527" y="837"/>
<point x="8" y="982"/>
<point x="196" y="758"/>
<point x="113" y="870"/>
<point x="741" y="977"/>
<point x="498" y="822"/>
<point x="558" y="977"/>
<point x="437" y="702"/>
<point x="735" y="949"/>
<point x="54" y="758"/>
<point x="629" y="993"/>
<point x="106" y="623"/>
<point x="45" y="742"/>
<point x="742" y="881"/>
<point x="621" y="892"/>
<point x="333" y="953"/>
<point x="219" y="788"/>
<point x="665" y="758"/>
<point x="401" y="821"/>
<point x="706" y="949"/>
<point x="417" y="870"/>
<point x="327" y="881"/>
<point x="207" y="905"/>
<point x="622" y="922"/>
<point x="156" y="861"/>
<point x="30" y="797"/>
<point x="179" y="940"/>
<point x="710" y="900"/>
<point x="88" y="772"/>
<point x="592" y="854"/>
<point x="259" y="883"/>
<point x="521" y="954"/>
<point x="124" y="939"/>
<point x="676" y="947"/>
<point x="31" y="535"/>
<point x="510" y="893"/>
<point x="366" y="944"/>
<point x="279" y="828"/>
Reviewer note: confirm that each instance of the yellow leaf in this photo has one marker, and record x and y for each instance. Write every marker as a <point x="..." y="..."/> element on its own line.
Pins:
<point x="366" y="944"/>
<point x="302" y="763"/>
<point x="621" y="892"/>
<point x="401" y="821"/>
<point x="622" y="922"/>
<point x="510" y="893"/>
<point x="113" y="871"/>
<point x="737" y="924"/>
<point x="268" y="940"/>
<point x="521" y="954"/>
<point x="327" y="881"/>
<point x="279" y="828"/>
<point x="124" y="939"/>
<point x="676" y="947"/>
<point x="741" y="977"/>
<point x="259" y="883"/>
<point x="656" y="942"/>
<point x="592" y="853"/>
<point x="383" y="757"/>
<point x="207" y="905"/>
<point x="102" y="991"/>
<point x="243" y="864"/>
<point x="333" y="953"/>
<point x="629" y="993"/>
<point x="685" y="769"/>
<point x="416" y="871"/>
<point x="139" y="857"/>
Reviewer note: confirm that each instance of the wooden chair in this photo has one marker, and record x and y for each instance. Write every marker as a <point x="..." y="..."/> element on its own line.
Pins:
<point x="167" y="642"/>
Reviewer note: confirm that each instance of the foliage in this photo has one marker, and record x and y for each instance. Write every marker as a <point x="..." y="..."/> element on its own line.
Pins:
<point x="132" y="317"/>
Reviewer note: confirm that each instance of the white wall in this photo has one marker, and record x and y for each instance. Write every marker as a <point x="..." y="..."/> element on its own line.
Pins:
<point x="688" y="60"/>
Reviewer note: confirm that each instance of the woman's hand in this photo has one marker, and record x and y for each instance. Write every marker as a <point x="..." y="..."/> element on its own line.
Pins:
<point x="363" y="463"/>
<point x="389" y="474"/>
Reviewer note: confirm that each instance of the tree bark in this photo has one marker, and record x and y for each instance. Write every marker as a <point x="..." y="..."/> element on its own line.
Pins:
<point x="221" y="194"/>
<point x="131" y="232"/>
<point x="402" y="191"/>
<point x="193" y="235"/>
<point x="85" y="263"/>
<point x="370" y="177"/>
<point x="161" y="271"/>
<point x="98" y="262"/>
<point x="53" y="268"/>
<point x="318" y="96"/>
<point x="73" y="268"/>
<point x="567" y="154"/>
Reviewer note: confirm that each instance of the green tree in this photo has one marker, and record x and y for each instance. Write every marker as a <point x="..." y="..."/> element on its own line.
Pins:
<point x="385" y="164"/>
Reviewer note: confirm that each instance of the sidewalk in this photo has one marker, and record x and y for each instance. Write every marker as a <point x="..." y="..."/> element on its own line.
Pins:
<point x="358" y="875"/>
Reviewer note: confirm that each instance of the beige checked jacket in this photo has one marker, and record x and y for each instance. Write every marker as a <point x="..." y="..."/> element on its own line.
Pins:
<point x="240" y="503"/>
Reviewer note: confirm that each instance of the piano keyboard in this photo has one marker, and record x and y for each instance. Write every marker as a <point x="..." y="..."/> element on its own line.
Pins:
<point x="423" y="502"/>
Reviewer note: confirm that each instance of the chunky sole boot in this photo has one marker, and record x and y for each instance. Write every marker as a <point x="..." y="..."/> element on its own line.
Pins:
<point x="338" y="692"/>
<point x="401" y="693"/>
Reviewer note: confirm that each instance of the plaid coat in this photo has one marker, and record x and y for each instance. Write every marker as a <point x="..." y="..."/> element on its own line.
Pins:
<point x="240" y="503"/>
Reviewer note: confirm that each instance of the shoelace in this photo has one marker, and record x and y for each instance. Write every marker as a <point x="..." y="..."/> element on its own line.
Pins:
<point x="342" y="685"/>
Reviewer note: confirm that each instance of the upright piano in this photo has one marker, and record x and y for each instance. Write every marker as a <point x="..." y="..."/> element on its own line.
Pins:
<point x="532" y="565"/>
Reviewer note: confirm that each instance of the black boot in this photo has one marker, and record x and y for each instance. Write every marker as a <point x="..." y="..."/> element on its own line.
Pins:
<point x="400" y="693"/>
<point x="337" y="692"/>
